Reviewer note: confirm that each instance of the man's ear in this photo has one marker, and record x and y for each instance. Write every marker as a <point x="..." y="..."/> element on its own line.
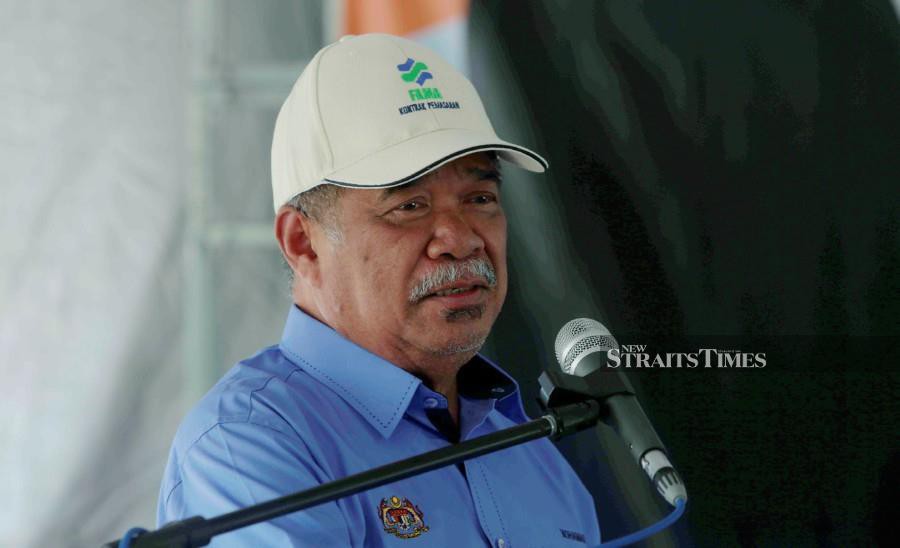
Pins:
<point x="292" y="230"/>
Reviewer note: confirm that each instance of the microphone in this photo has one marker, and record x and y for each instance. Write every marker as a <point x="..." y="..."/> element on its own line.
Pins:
<point x="582" y="347"/>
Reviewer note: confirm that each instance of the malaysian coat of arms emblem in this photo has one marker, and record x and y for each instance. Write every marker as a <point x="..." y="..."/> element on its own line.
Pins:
<point x="401" y="518"/>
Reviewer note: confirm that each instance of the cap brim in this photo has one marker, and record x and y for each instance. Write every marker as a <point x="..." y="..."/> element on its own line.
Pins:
<point x="410" y="159"/>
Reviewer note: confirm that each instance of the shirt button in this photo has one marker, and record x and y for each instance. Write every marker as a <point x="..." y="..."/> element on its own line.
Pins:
<point x="430" y="403"/>
<point x="501" y="543"/>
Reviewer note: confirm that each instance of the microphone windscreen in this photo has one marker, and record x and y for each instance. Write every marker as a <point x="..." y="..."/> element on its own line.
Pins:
<point x="580" y="337"/>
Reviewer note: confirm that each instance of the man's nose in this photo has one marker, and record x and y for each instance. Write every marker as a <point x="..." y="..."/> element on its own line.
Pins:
<point x="454" y="237"/>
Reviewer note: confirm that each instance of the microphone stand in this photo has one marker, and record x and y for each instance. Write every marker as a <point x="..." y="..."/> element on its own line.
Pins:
<point x="197" y="530"/>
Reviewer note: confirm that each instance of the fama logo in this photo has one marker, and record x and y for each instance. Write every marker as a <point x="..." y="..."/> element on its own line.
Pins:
<point x="414" y="71"/>
<point x="417" y="71"/>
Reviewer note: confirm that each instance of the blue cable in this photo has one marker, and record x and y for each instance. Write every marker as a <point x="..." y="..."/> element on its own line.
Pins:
<point x="648" y="531"/>
<point x="125" y="541"/>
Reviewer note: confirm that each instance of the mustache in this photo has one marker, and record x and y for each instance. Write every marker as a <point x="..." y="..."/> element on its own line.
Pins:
<point x="448" y="273"/>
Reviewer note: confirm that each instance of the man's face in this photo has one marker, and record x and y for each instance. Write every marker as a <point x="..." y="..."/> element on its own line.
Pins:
<point x="400" y="247"/>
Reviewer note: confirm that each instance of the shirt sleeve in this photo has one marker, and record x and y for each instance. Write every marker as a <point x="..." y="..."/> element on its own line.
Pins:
<point x="237" y="464"/>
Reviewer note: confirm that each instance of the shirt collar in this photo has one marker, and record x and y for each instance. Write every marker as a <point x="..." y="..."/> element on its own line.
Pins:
<point x="377" y="389"/>
<point x="481" y="378"/>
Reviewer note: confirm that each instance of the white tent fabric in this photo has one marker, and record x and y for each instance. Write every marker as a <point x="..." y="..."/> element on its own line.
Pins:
<point x="90" y="221"/>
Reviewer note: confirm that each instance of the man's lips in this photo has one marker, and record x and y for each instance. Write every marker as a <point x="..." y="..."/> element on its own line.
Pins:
<point x="462" y="293"/>
<point x="464" y="284"/>
<point x="470" y="297"/>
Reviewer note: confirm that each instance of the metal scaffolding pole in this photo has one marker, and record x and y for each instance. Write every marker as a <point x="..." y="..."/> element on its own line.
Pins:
<point x="214" y="87"/>
<point x="198" y="336"/>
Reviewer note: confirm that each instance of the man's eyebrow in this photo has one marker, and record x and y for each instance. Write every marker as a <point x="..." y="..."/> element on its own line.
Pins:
<point x="388" y="192"/>
<point x="492" y="173"/>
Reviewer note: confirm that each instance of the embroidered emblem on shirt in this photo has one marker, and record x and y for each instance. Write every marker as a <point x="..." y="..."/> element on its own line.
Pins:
<point x="401" y="518"/>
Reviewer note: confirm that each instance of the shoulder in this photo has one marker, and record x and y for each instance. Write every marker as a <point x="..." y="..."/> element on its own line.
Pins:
<point x="260" y="418"/>
<point x="247" y="441"/>
<point x="266" y="390"/>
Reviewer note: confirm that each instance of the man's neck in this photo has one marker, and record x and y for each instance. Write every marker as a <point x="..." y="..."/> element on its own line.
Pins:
<point x="438" y="372"/>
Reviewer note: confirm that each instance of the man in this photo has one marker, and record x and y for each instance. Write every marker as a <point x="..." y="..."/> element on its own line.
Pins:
<point x="386" y="187"/>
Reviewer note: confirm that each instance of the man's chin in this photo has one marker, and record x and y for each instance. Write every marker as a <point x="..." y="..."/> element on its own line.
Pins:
<point x="450" y="342"/>
<point x="454" y="330"/>
<point x="458" y="348"/>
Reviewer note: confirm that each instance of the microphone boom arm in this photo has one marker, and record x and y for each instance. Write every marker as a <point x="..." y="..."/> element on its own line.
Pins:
<point x="197" y="530"/>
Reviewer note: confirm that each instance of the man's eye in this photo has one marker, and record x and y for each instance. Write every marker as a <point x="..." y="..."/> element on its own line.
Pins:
<point x="484" y="199"/>
<point x="411" y="206"/>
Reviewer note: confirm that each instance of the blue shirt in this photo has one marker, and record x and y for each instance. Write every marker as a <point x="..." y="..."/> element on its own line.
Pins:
<point x="317" y="407"/>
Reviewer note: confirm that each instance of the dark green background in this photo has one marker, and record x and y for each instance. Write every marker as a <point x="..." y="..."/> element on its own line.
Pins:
<point x="721" y="169"/>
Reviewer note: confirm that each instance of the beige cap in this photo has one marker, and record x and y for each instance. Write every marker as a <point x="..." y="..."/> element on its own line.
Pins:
<point x="377" y="111"/>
